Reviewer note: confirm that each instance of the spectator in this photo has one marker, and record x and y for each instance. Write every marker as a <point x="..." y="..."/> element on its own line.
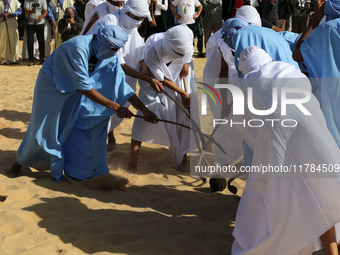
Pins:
<point x="269" y="11"/>
<point x="157" y="24"/>
<point x="69" y="26"/>
<point x="212" y="18"/>
<point x="9" y="37"/>
<point x="299" y="15"/>
<point x="79" y="6"/>
<point x="36" y="11"/>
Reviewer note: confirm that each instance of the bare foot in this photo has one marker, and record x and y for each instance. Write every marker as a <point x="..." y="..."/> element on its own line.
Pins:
<point x="14" y="170"/>
<point x="184" y="166"/>
<point x="107" y="182"/>
<point x="111" y="143"/>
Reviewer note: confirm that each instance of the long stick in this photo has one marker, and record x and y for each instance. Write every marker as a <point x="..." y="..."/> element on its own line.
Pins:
<point x="166" y="121"/>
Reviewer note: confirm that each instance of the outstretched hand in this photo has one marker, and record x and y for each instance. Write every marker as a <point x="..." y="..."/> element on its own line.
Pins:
<point x="149" y="116"/>
<point x="124" y="112"/>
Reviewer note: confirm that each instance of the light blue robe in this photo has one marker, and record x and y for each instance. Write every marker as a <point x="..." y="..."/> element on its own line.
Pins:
<point x="321" y="54"/>
<point x="85" y="150"/>
<point x="273" y="43"/>
<point x="56" y="103"/>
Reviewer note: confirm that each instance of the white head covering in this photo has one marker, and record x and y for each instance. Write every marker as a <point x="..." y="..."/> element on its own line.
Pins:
<point x="249" y="14"/>
<point x="178" y="41"/>
<point x="253" y="58"/>
<point x="139" y="8"/>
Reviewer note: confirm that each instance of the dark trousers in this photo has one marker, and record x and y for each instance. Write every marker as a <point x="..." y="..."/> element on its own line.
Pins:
<point x="157" y="29"/>
<point x="197" y="31"/>
<point x="39" y="31"/>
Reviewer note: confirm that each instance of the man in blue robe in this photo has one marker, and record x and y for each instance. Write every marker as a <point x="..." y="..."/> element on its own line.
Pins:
<point x="318" y="48"/>
<point x="84" y="65"/>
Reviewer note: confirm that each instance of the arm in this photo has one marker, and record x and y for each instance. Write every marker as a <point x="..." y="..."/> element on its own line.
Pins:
<point x="200" y="8"/>
<point x="141" y="76"/>
<point x="318" y="15"/>
<point x="148" y="115"/>
<point x="172" y="8"/>
<point x="62" y="26"/>
<point x="43" y="15"/>
<point x="78" y="22"/>
<point x="184" y="95"/>
<point x="95" y="96"/>
<point x="163" y="7"/>
<point x="15" y="14"/>
<point x="92" y="21"/>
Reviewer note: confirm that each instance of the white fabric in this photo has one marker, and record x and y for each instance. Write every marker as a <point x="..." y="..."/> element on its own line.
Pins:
<point x="284" y="214"/>
<point x="59" y="15"/>
<point x="47" y="40"/>
<point x="9" y="46"/>
<point x="131" y="54"/>
<point x="90" y="6"/>
<point x="161" y="5"/>
<point x="186" y="9"/>
<point x="101" y="10"/>
<point x="177" y="138"/>
<point x="252" y="58"/>
<point x="227" y="136"/>
<point x="249" y="14"/>
<point x="139" y="8"/>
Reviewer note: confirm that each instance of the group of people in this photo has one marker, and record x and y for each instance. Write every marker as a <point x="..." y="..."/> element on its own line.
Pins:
<point x="93" y="88"/>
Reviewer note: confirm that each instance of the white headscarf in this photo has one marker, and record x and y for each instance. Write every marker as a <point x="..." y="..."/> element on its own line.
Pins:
<point x="253" y="58"/>
<point x="249" y="14"/>
<point x="139" y="8"/>
<point x="178" y="41"/>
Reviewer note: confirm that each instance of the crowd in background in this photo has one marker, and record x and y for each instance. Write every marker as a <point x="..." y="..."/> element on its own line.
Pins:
<point x="37" y="22"/>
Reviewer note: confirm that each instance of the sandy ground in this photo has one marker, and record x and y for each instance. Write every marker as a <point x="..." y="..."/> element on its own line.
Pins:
<point x="162" y="212"/>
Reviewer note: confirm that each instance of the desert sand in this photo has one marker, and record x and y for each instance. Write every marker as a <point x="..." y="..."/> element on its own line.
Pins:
<point x="163" y="211"/>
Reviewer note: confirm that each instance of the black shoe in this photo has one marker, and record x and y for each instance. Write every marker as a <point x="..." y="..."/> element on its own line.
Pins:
<point x="14" y="63"/>
<point x="31" y="63"/>
<point x="201" y="55"/>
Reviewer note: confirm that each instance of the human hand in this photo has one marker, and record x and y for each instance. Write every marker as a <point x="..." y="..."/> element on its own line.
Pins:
<point x="185" y="100"/>
<point x="152" y="23"/>
<point x="185" y="71"/>
<point x="53" y="23"/>
<point x="178" y="16"/>
<point x="157" y="85"/>
<point x="9" y="16"/>
<point x="149" y="116"/>
<point x="195" y="16"/>
<point x="123" y="112"/>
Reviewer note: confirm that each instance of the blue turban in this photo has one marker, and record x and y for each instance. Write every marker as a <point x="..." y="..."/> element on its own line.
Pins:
<point x="230" y="27"/>
<point x="107" y="41"/>
<point x="332" y="9"/>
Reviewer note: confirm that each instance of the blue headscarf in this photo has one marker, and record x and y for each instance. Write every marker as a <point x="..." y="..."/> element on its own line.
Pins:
<point x="230" y="27"/>
<point x="332" y="9"/>
<point x="107" y="41"/>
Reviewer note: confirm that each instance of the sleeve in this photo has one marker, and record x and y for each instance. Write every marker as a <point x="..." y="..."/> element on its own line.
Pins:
<point x="17" y="12"/>
<point x="163" y="7"/>
<point x="79" y="23"/>
<point x="62" y="26"/>
<point x="121" y="56"/>
<point x="197" y="3"/>
<point x="44" y="4"/>
<point x="149" y="18"/>
<point x="72" y="75"/>
<point x="26" y="5"/>
<point x="50" y="13"/>
<point x="175" y="2"/>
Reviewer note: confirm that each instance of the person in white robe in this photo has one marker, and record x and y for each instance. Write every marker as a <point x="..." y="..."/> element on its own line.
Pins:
<point x="90" y="5"/>
<point x="174" y="47"/>
<point x="131" y="55"/>
<point x="286" y="212"/>
<point x="100" y="11"/>
<point x="9" y="37"/>
<point x="220" y="68"/>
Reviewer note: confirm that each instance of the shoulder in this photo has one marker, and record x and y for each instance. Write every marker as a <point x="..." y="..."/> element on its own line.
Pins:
<point x="109" y="19"/>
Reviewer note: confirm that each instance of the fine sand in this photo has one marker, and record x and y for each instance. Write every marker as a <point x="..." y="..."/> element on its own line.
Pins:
<point x="163" y="211"/>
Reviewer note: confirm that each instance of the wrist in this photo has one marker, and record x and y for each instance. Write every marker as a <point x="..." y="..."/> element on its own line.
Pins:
<point x="115" y="106"/>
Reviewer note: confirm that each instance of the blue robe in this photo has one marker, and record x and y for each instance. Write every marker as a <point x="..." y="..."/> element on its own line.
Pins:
<point x="56" y="104"/>
<point x="272" y="42"/>
<point x="85" y="150"/>
<point x="321" y="54"/>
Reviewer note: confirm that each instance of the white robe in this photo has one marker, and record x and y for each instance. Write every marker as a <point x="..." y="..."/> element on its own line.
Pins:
<point x="285" y="213"/>
<point x="131" y="54"/>
<point x="9" y="46"/>
<point x="101" y="10"/>
<point x="227" y="136"/>
<point x="90" y="5"/>
<point x="176" y="138"/>
<point x="47" y="40"/>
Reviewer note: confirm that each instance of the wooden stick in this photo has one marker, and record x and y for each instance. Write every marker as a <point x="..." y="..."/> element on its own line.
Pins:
<point x="166" y="121"/>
